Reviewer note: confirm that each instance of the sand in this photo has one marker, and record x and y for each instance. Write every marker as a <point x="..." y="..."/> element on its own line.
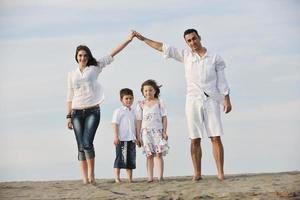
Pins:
<point x="285" y="185"/>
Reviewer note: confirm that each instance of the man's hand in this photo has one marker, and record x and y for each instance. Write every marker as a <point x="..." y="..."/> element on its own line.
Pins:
<point x="69" y="124"/>
<point x="227" y="104"/>
<point x="138" y="35"/>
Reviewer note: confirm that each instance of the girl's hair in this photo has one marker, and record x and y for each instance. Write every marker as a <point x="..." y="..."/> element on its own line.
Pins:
<point x="154" y="85"/>
<point x="91" y="59"/>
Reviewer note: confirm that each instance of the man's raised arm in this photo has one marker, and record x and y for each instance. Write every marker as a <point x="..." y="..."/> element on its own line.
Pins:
<point x="154" y="44"/>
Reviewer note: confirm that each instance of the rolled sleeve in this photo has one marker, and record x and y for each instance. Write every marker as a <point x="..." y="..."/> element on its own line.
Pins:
<point x="70" y="90"/>
<point x="102" y="62"/>
<point x="222" y="83"/>
<point x="172" y="52"/>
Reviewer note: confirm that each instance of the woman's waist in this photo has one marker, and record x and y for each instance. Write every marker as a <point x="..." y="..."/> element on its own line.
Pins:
<point x="86" y="108"/>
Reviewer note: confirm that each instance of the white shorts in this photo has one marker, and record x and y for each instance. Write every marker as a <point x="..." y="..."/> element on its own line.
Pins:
<point x="203" y="115"/>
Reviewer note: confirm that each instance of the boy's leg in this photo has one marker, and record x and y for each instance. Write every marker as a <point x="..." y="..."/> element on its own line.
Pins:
<point x="129" y="175"/>
<point x="160" y="166"/>
<point x="150" y="165"/>
<point x="117" y="175"/>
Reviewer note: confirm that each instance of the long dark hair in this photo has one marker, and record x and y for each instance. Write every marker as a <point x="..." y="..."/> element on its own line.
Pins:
<point x="91" y="59"/>
<point x="154" y="85"/>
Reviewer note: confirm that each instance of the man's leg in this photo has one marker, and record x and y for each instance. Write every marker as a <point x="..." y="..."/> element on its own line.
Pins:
<point x="218" y="152"/>
<point x="196" y="154"/>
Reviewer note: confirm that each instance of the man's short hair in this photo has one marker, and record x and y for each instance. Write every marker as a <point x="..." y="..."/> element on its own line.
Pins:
<point x="191" y="30"/>
<point x="125" y="91"/>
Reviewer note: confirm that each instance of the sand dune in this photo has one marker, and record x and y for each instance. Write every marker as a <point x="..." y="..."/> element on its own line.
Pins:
<point x="284" y="185"/>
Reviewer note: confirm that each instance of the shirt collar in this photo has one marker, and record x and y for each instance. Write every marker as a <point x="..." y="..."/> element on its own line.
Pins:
<point x="126" y="108"/>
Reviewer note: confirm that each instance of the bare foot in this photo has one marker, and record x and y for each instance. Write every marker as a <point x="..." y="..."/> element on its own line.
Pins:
<point x="221" y="177"/>
<point x="117" y="180"/>
<point x="150" y="181"/>
<point x="196" y="178"/>
<point x="92" y="180"/>
<point x="85" y="181"/>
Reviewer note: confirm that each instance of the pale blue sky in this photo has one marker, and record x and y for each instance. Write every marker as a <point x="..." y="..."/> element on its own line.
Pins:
<point x="259" y="41"/>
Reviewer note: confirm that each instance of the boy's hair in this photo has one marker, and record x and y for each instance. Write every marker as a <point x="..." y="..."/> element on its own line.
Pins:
<point x="154" y="85"/>
<point x="191" y="30"/>
<point x="125" y="91"/>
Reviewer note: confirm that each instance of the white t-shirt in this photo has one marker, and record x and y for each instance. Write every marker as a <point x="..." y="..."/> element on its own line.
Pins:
<point x="125" y="119"/>
<point x="83" y="88"/>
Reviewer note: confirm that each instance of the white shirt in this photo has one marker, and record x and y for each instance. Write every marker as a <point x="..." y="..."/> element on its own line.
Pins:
<point x="83" y="88"/>
<point x="125" y="119"/>
<point x="203" y="74"/>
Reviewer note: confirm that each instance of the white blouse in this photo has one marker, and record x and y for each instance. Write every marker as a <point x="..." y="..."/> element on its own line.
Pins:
<point x="83" y="88"/>
<point x="203" y="74"/>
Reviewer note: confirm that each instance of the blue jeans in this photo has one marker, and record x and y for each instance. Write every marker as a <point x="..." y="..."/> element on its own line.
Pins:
<point x="85" y="123"/>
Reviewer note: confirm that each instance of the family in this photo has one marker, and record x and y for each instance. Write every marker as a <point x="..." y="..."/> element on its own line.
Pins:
<point x="146" y="125"/>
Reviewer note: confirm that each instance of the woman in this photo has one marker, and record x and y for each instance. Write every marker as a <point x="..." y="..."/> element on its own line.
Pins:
<point x="83" y="104"/>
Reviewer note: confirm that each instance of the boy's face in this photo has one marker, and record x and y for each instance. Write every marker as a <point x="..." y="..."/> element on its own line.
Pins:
<point x="127" y="100"/>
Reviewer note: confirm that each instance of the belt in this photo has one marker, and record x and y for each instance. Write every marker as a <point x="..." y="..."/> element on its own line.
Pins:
<point x="88" y="109"/>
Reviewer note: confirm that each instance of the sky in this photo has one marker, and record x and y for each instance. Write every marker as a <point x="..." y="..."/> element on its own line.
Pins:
<point x="259" y="41"/>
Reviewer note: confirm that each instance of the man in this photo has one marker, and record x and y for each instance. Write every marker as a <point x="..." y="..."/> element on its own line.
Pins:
<point x="206" y="88"/>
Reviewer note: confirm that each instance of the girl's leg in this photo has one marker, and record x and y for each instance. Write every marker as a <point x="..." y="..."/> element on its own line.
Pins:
<point x="129" y="175"/>
<point x="117" y="175"/>
<point x="150" y="165"/>
<point x="84" y="171"/>
<point x="160" y="166"/>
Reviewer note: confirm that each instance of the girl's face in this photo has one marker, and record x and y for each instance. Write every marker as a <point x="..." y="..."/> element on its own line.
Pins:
<point x="82" y="58"/>
<point x="148" y="92"/>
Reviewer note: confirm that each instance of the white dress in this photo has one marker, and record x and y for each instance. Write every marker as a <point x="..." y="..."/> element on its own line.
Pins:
<point x="152" y="128"/>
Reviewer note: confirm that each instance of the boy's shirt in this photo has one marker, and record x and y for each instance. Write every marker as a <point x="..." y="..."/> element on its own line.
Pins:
<point x="125" y="119"/>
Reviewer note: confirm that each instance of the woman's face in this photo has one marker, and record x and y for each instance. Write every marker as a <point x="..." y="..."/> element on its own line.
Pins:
<point x="82" y="58"/>
<point x="148" y="92"/>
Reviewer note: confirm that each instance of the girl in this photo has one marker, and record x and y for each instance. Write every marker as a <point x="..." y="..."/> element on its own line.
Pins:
<point x="152" y="126"/>
<point x="83" y="104"/>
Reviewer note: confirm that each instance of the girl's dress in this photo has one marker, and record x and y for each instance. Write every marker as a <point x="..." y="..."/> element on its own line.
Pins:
<point x="152" y="127"/>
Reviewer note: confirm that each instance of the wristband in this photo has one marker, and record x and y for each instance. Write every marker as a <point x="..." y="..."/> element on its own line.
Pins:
<point x="69" y="116"/>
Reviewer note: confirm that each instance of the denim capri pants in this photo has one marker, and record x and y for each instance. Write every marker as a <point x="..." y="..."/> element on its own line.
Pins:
<point x="85" y="123"/>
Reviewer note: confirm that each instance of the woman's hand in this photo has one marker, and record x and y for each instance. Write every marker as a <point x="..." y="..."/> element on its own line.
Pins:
<point x="69" y="124"/>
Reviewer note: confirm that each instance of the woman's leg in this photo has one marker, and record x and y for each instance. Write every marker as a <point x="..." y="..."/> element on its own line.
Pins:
<point x="117" y="175"/>
<point x="91" y="123"/>
<point x="77" y="121"/>
<point x="160" y="165"/>
<point x="150" y="165"/>
<point x="84" y="171"/>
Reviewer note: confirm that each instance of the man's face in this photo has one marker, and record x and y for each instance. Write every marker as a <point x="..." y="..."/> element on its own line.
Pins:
<point x="193" y="41"/>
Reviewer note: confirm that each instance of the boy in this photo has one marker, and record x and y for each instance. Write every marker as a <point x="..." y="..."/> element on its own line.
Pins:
<point x="123" y="123"/>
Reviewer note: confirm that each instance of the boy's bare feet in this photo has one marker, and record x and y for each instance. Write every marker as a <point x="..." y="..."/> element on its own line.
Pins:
<point x="117" y="180"/>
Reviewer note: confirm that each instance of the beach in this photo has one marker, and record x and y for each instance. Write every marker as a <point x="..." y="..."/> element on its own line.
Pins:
<point x="285" y="185"/>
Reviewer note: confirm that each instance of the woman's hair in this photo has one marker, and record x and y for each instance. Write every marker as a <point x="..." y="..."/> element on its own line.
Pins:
<point x="154" y="85"/>
<point x="91" y="59"/>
